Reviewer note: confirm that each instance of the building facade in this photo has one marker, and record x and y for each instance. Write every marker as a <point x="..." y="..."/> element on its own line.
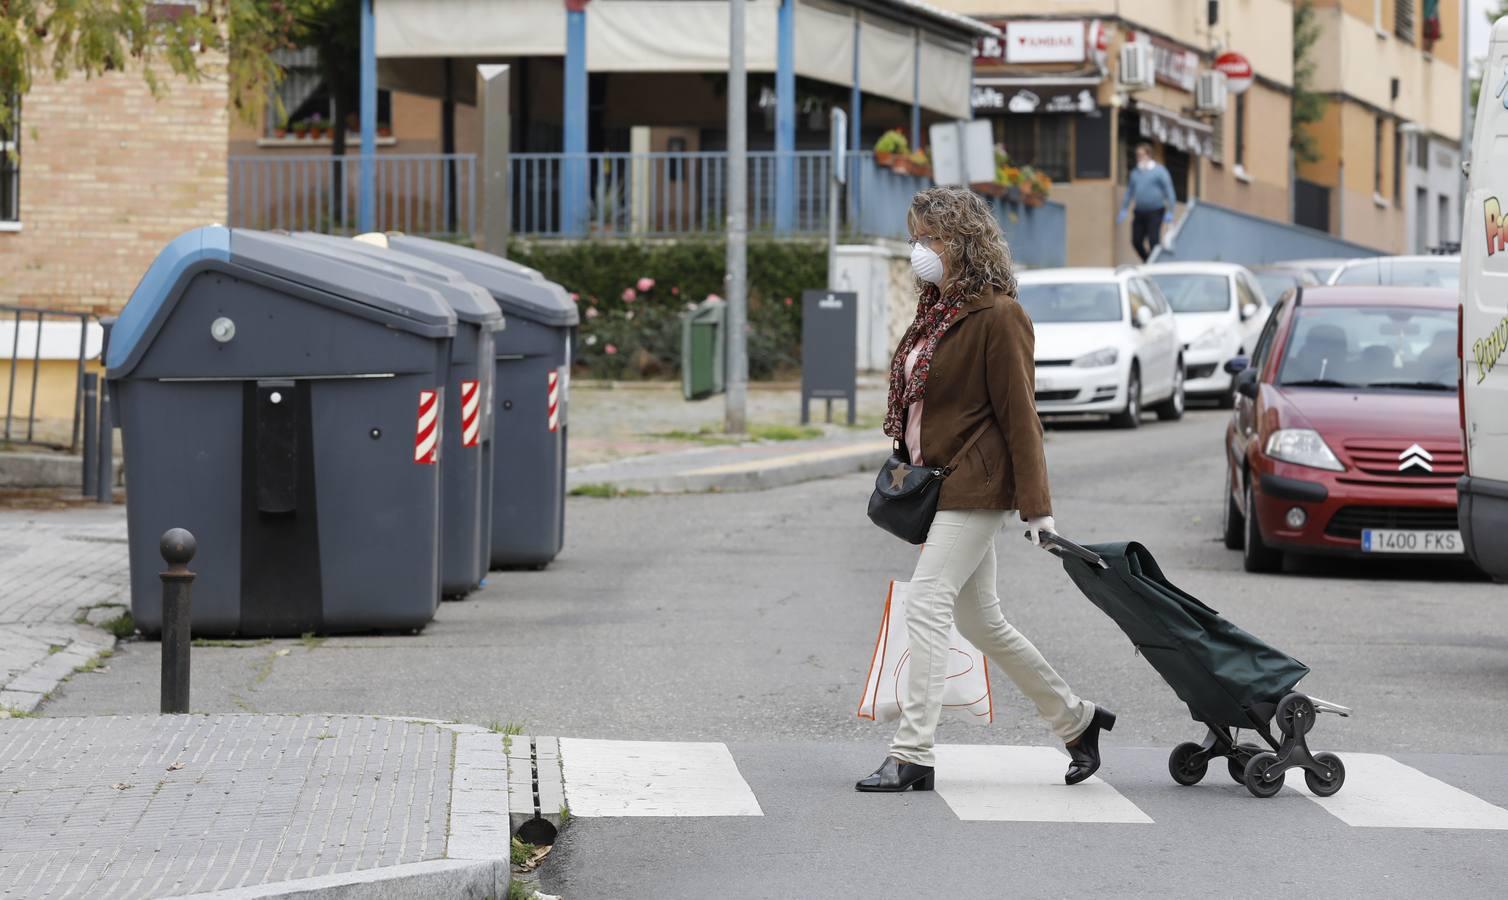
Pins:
<point x="1052" y="86"/>
<point x="99" y="176"/>
<point x="1388" y="173"/>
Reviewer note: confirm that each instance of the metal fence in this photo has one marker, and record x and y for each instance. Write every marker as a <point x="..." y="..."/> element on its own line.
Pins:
<point x="424" y="194"/>
<point x="661" y="194"/>
<point x="45" y="357"/>
<point x="626" y="195"/>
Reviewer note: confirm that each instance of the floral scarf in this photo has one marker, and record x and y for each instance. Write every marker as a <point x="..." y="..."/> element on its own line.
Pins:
<point x="935" y="313"/>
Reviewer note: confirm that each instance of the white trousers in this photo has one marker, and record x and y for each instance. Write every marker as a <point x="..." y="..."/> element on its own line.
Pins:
<point x="955" y="579"/>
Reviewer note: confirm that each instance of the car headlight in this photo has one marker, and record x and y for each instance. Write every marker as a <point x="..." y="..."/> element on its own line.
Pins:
<point x="1098" y="359"/>
<point x="1209" y="340"/>
<point x="1302" y="447"/>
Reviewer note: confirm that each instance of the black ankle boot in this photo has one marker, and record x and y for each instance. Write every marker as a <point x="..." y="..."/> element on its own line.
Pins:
<point x="1085" y="752"/>
<point x="894" y="776"/>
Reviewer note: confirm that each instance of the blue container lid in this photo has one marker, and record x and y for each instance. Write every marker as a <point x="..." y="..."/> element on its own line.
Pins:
<point x="471" y="302"/>
<point x="519" y="290"/>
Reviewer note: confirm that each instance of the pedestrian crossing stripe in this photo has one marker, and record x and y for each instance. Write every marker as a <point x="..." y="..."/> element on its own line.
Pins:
<point x="653" y="778"/>
<point x="995" y="783"/>
<point x="991" y="783"/>
<point x="1381" y="792"/>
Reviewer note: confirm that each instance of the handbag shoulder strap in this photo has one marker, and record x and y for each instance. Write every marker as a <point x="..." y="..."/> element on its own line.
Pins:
<point x="968" y="445"/>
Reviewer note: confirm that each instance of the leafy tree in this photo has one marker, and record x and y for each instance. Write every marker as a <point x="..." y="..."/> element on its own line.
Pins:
<point x="92" y="37"/>
<point x="1308" y="104"/>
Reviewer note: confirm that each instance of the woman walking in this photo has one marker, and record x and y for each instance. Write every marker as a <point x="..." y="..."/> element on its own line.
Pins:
<point x="964" y="368"/>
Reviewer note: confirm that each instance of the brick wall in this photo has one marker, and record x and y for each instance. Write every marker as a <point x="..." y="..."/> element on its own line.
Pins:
<point x="109" y="174"/>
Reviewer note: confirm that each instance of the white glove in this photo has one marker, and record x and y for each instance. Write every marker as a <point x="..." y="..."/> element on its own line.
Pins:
<point x="1035" y="527"/>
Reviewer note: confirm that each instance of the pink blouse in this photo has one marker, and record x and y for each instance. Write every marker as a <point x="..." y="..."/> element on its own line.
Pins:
<point x="914" y="414"/>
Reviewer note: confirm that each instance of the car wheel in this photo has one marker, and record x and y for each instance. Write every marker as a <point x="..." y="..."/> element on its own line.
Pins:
<point x="1171" y="409"/>
<point x="1256" y="556"/>
<point x="1232" y="523"/>
<point x="1130" y="417"/>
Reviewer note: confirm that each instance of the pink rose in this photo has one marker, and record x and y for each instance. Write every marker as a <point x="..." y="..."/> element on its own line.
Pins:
<point x="646" y="284"/>
<point x="713" y="297"/>
<point x="610" y="349"/>
<point x="675" y="292"/>
<point x="628" y="295"/>
<point x="788" y="301"/>
<point x="575" y="297"/>
<point x="592" y="313"/>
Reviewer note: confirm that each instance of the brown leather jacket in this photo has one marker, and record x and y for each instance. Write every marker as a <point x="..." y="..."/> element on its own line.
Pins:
<point x="984" y="371"/>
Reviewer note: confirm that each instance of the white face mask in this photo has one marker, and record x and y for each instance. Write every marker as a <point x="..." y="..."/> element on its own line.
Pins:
<point x="927" y="265"/>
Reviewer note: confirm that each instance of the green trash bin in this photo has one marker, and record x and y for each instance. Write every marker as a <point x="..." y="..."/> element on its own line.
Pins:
<point x="702" y="342"/>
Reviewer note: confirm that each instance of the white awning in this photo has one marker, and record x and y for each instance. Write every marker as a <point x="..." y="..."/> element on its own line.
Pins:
<point x="433" y="28"/>
<point x="887" y="56"/>
<point x="945" y="77"/>
<point x="675" y="35"/>
<point x="824" y="41"/>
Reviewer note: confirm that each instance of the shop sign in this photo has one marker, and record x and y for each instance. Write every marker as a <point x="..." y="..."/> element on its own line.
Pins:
<point x="1173" y="65"/>
<point x="1034" y="98"/>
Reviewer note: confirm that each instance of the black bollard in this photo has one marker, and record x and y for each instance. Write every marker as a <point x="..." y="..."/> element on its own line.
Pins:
<point x="178" y="548"/>
<point x="105" y="484"/>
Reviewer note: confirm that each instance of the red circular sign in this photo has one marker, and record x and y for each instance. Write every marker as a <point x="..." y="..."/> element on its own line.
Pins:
<point x="1238" y="73"/>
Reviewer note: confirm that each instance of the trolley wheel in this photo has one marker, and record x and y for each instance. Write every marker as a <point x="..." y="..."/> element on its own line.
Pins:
<point x="1182" y="765"/>
<point x="1295" y="710"/>
<point x="1236" y="762"/>
<point x="1318" y="785"/>
<point x="1256" y="777"/>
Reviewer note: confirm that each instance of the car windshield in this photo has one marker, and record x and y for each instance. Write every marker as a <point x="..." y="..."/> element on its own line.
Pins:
<point x="1073" y="301"/>
<point x="1443" y="272"/>
<point x="1275" y="283"/>
<point x="1372" y="347"/>
<point x="1191" y="293"/>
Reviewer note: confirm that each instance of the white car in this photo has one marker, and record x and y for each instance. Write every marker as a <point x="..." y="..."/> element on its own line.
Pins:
<point x="1404" y="271"/>
<point x="1220" y="309"/>
<point x="1106" y="344"/>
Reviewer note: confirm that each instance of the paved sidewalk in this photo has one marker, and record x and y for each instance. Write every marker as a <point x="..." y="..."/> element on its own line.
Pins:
<point x="750" y="466"/>
<point x="58" y="571"/>
<point x="251" y="806"/>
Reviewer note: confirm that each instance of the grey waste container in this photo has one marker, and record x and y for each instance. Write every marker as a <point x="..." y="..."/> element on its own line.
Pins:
<point x="283" y="406"/>
<point x="533" y="377"/>
<point x="466" y="434"/>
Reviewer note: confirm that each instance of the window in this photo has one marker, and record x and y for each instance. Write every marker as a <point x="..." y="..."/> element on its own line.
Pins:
<point x="10" y="165"/>
<point x="1247" y="293"/>
<point x="1377" y="157"/>
<point x="1240" y="129"/>
<point x="1397" y="167"/>
<point x="1073" y="301"/>
<point x="1153" y="297"/>
<point x="1443" y="225"/>
<point x="1403" y="20"/>
<point x="1265" y="341"/>
<point x="1373" y="347"/>
<point x="1194" y="293"/>
<point x="1040" y="141"/>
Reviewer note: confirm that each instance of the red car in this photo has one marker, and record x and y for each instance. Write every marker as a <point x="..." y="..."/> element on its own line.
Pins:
<point x="1346" y="438"/>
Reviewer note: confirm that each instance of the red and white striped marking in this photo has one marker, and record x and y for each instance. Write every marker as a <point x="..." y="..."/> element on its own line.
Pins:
<point x="427" y="435"/>
<point x="471" y="413"/>
<point x="554" y="399"/>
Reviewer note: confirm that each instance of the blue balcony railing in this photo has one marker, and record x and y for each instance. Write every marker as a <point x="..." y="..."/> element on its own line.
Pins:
<point x="649" y="195"/>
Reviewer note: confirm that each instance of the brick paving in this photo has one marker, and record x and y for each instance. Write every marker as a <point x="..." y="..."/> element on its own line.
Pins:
<point x="158" y="806"/>
<point x="52" y="565"/>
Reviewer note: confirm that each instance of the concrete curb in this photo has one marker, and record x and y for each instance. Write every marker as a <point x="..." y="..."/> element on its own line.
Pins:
<point x="26" y="691"/>
<point x="45" y="470"/>
<point x="750" y="475"/>
<point x="469" y="879"/>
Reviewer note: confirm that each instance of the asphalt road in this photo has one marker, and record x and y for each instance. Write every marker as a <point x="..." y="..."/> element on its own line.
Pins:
<point x="749" y="619"/>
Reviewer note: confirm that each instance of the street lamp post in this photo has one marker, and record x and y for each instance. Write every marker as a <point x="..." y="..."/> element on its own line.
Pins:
<point x="735" y="415"/>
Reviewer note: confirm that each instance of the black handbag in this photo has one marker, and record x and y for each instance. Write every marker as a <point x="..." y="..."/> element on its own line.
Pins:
<point x="905" y="497"/>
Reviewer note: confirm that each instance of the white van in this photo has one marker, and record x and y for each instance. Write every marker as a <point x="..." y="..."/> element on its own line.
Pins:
<point x="1483" y="490"/>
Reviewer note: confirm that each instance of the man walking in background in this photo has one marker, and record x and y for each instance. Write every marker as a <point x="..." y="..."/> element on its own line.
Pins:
<point x="1149" y="199"/>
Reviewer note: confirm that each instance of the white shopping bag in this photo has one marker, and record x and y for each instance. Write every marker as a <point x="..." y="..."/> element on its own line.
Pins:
<point x="966" y="693"/>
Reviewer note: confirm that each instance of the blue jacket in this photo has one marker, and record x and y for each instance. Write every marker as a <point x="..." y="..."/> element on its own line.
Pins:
<point x="1150" y="189"/>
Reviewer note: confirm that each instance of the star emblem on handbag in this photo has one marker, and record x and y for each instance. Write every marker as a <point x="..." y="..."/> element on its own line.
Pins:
<point x="898" y="476"/>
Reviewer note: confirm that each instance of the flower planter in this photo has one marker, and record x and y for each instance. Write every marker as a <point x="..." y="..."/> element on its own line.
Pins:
<point x="900" y="166"/>
<point x="989" y="188"/>
<point x="1033" y="199"/>
<point x="916" y="168"/>
<point x="884" y="158"/>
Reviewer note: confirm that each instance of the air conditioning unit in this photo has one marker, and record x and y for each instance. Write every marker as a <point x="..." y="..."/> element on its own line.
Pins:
<point x="1209" y="95"/>
<point x="1136" y="66"/>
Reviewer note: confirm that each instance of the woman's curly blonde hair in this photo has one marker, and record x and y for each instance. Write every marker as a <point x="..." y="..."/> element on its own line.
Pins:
<point x="974" y="251"/>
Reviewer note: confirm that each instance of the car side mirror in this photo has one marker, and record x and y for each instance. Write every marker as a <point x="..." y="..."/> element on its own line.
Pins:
<point x="1236" y="365"/>
<point x="1246" y="383"/>
<point x="1143" y="317"/>
<point x="1248" y="311"/>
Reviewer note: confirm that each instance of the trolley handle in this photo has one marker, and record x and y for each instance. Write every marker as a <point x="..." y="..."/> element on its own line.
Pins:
<point x="1060" y="546"/>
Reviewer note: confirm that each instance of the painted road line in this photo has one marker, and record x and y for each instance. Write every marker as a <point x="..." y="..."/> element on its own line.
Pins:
<point x="653" y="778"/>
<point x="1025" y="784"/>
<point x="1381" y="792"/>
<point x="793" y="459"/>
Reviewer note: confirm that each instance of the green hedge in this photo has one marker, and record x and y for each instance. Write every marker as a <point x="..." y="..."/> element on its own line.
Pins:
<point x="629" y="333"/>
